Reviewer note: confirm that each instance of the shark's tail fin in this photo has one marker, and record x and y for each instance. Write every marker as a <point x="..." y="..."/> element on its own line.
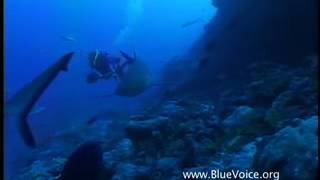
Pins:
<point x="26" y="133"/>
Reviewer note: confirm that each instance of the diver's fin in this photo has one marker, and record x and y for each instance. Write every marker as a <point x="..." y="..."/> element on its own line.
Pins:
<point x="21" y="104"/>
<point x="127" y="57"/>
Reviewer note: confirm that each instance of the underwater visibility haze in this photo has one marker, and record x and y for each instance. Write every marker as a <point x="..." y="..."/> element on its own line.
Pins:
<point x="161" y="89"/>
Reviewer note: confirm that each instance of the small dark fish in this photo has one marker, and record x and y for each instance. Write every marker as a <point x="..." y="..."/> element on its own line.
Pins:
<point x="85" y="163"/>
<point x="104" y="115"/>
<point x="190" y="23"/>
<point x="68" y="38"/>
<point x="37" y="110"/>
<point x="221" y="77"/>
<point x="210" y="46"/>
<point x="96" y="118"/>
<point x="203" y="62"/>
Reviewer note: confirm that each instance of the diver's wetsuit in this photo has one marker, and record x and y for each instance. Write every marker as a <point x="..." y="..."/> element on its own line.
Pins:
<point x="98" y="61"/>
<point x="105" y="66"/>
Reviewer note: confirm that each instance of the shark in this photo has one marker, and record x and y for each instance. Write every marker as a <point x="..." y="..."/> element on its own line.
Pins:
<point x="136" y="79"/>
<point x="20" y="105"/>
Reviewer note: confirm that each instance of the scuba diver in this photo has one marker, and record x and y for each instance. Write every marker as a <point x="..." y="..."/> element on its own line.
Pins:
<point x="105" y="66"/>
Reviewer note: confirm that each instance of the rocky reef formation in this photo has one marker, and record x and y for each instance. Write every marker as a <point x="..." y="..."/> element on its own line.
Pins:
<point x="243" y="32"/>
<point x="250" y="103"/>
<point x="294" y="151"/>
<point x="268" y="126"/>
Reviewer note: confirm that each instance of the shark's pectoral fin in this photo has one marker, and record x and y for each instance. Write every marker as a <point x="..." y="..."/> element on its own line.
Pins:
<point x="26" y="132"/>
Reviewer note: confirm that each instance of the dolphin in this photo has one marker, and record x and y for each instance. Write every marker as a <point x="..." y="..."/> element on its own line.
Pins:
<point x="21" y="104"/>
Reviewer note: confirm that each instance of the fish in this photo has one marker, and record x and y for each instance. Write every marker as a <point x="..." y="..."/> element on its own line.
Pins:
<point x="85" y="163"/>
<point x="136" y="79"/>
<point x="21" y="104"/>
<point x="101" y="115"/>
<point x="107" y="115"/>
<point x="37" y="110"/>
<point x="203" y="63"/>
<point x="68" y="38"/>
<point x="190" y="23"/>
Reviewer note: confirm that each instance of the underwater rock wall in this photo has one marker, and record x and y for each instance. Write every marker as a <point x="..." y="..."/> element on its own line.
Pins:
<point x="246" y="31"/>
<point x="259" y="69"/>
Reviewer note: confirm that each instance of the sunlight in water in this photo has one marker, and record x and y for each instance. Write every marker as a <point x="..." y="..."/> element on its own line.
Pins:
<point x="134" y="14"/>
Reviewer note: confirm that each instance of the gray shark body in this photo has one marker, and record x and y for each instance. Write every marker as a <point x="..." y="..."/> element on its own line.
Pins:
<point x="20" y="105"/>
<point x="136" y="79"/>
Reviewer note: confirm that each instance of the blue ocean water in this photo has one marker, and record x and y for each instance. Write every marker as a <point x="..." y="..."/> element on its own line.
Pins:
<point x="161" y="89"/>
<point x="35" y="37"/>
